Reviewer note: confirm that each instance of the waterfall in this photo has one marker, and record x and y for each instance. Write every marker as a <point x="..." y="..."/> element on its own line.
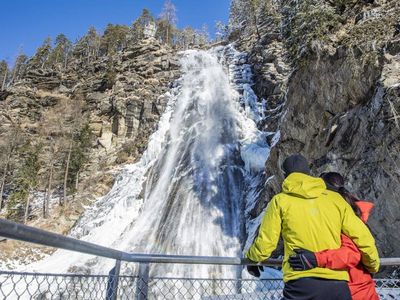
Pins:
<point x="192" y="189"/>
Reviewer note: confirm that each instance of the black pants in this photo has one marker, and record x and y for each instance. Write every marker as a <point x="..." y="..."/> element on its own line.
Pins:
<point x="316" y="289"/>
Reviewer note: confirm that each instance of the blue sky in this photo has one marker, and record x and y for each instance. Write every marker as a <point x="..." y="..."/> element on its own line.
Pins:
<point x="26" y="23"/>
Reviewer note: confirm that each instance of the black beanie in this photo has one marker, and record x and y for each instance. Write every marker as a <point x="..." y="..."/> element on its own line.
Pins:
<point x="295" y="163"/>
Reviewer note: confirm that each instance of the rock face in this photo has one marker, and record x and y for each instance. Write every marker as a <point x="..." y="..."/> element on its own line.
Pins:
<point x="337" y="99"/>
<point x="119" y="96"/>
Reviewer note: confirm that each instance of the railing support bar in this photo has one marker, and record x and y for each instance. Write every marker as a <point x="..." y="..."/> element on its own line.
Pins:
<point x="113" y="279"/>
<point x="142" y="287"/>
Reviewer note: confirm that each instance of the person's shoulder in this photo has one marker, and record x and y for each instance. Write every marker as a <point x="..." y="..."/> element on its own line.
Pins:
<point x="280" y="199"/>
<point x="335" y="198"/>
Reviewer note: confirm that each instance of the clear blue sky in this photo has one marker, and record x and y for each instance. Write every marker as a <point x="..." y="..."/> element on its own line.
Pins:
<point x="26" y="23"/>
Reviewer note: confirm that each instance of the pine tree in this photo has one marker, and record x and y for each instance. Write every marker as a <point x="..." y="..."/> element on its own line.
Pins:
<point x="26" y="180"/>
<point x="87" y="48"/>
<point x="42" y="54"/>
<point x="114" y="39"/>
<point x="92" y="44"/>
<point x="4" y="74"/>
<point x="19" y="66"/>
<point x="61" y="50"/>
<point x="79" y="155"/>
<point x="136" y="33"/>
<point x="10" y="142"/>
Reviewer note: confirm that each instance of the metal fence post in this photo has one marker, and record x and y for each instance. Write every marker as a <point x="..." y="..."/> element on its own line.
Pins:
<point x="142" y="286"/>
<point x="112" y="284"/>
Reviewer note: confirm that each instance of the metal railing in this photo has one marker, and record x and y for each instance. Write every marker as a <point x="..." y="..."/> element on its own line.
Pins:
<point x="16" y="285"/>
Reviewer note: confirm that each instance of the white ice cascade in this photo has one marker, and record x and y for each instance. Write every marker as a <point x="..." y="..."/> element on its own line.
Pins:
<point x="196" y="182"/>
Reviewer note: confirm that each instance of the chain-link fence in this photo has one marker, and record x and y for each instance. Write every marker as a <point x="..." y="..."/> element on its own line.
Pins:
<point x="59" y="286"/>
<point x="14" y="285"/>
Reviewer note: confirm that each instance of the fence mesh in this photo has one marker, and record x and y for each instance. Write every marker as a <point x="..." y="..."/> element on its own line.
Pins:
<point x="59" y="286"/>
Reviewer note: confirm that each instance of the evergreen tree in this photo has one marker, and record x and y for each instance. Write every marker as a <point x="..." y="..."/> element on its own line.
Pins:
<point x="92" y="43"/>
<point x="79" y="156"/>
<point x="42" y="54"/>
<point x="114" y="39"/>
<point x="4" y="74"/>
<point x="25" y="181"/>
<point x="10" y="142"/>
<point x="88" y="47"/>
<point x="136" y="33"/>
<point x="19" y="66"/>
<point x="60" y="52"/>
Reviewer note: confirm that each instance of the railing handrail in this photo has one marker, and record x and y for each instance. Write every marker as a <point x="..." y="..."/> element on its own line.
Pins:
<point x="16" y="231"/>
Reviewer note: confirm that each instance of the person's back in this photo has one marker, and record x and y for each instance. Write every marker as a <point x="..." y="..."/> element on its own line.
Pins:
<point x="310" y="217"/>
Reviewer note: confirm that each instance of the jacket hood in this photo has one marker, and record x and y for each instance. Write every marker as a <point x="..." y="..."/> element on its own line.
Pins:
<point x="304" y="186"/>
<point x="365" y="209"/>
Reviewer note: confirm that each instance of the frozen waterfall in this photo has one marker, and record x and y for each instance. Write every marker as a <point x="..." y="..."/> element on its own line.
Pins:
<point x="189" y="193"/>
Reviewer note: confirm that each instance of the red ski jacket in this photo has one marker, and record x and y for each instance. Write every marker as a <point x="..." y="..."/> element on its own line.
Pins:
<point x="362" y="287"/>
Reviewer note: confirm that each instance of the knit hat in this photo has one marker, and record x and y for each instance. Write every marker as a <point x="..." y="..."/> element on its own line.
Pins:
<point x="295" y="163"/>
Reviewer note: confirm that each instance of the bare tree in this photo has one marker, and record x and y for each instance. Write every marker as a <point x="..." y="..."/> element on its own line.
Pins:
<point x="51" y="131"/>
<point x="221" y="31"/>
<point x="168" y="15"/>
<point x="72" y="123"/>
<point x="66" y="172"/>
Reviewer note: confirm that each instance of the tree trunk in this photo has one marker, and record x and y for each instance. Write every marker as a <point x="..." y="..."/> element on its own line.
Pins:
<point x="3" y="180"/>
<point x="15" y="73"/>
<point x="255" y="20"/>
<point x="88" y="55"/>
<point x="66" y="173"/>
<point x="46" y="202"/>
<point x="28" y="202"/>
<point x="76" y="184"/>
<point x="77" y="180"/>
<point x="66" y="60"/>
<point x="167" y="34"/>
<point x="4" y="81"/>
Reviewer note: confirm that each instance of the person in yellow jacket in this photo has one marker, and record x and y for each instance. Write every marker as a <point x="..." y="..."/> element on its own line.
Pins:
<point x="311" y="217"/>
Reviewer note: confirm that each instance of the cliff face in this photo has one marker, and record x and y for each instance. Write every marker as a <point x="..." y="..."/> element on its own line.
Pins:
<point x="331" y="74"/>
<point x="118" y="96"/>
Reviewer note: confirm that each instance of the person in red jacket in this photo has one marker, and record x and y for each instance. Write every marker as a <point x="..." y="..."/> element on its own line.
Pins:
<point x="361" y="284"/>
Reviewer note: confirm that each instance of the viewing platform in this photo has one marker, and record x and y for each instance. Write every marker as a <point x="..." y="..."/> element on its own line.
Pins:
<point x="17" y="285"/>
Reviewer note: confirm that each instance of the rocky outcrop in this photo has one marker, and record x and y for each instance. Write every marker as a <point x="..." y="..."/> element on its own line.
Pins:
<point x="338" y="98"/>
<point x="119" y="96"/>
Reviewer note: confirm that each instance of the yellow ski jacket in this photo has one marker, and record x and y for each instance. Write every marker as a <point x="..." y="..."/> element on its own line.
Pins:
<point x="311" y="217"/>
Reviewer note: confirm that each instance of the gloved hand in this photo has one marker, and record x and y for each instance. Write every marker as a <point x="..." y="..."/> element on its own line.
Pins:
<point x="255" y="270"/>
<point x="303" y="260"/>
